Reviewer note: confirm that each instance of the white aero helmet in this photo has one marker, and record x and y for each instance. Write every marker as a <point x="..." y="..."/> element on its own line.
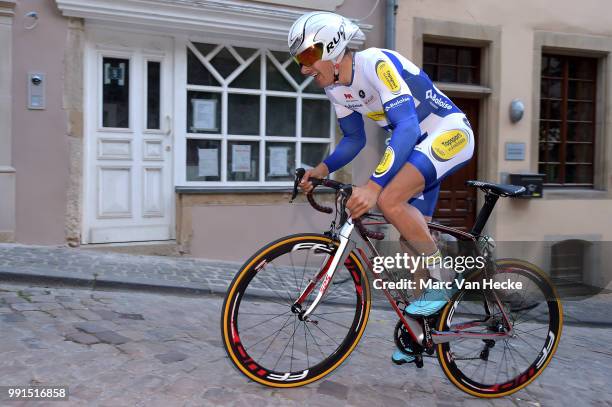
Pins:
<point x="324" y="35"/>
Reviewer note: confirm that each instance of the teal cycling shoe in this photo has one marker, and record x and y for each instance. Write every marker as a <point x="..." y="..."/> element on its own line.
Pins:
<point x="399" y="357"/>
<point x="430" y="302"/>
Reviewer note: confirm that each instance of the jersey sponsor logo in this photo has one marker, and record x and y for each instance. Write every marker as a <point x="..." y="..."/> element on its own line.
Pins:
<point x="387" y="76"/>
<point x="397" y="102"/>
<point x="361" y="93"/>
<point x="332" y="44"/>
<point x="353" y="105"/>
<point x="377" y="116"/>
<point x="348" y="96"/>
<point x="448" y="144"/>
<point x="385" y="163"/>
<point x="369" y="100"/>
<point x="437" y="100"/>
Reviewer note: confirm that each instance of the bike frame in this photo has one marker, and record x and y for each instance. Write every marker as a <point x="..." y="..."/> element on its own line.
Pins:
<point x="412" y="325"/>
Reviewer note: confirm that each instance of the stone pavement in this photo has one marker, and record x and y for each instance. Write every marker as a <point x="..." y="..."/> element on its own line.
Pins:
<point x="127" y="348"/>
<point x="68" y="266"/>
<point x="182" y="275"/>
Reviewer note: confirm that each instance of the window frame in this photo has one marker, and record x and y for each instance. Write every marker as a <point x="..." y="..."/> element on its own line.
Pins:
<point x="564" y="122"/>
<point x="183" y="87"/>
<point x="477" y="69"/>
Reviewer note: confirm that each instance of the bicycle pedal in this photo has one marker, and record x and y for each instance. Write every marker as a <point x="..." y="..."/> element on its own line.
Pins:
<point x="418" y="361"/>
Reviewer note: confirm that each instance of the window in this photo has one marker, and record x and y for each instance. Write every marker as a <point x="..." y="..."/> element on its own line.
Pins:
<point x="567" y="264"/>
<point x="251" y="117"/>
<point x="450" y="63"/>
<point x="116" y="93"/>
<point x="153" y="94"/>
<point x="567" y="120"/>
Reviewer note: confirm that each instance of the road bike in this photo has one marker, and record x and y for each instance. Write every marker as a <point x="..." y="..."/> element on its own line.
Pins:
<point x="299" y="306"/>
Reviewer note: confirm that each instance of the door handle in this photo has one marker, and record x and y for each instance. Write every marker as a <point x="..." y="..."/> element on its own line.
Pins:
<point x="168" y="125"/>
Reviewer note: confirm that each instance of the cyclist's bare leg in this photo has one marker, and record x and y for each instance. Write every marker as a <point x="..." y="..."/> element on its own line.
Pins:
<point x="408" y="220"/>
<point x="420" y="273"/>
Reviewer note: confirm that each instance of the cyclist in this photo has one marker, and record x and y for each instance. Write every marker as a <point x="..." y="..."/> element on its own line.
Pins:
<point x="430" y="137"/>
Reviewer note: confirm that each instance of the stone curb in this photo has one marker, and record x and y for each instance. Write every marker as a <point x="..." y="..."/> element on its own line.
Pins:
<point x="110" y="284"/>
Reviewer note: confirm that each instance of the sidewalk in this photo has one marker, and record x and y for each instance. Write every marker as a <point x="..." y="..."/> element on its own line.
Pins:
<point x="52" y="265"/>
<point x="96" y="269"/>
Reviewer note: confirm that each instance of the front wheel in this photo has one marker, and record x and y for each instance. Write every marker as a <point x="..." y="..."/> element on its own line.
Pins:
<point x="262" y="330"/>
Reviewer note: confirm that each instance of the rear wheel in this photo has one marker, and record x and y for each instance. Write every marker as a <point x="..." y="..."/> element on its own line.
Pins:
<point x="487" y="368"/>
<point x="262" y="330"/>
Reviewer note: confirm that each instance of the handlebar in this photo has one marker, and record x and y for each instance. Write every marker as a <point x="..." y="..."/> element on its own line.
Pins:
<point x="343" y="189"/>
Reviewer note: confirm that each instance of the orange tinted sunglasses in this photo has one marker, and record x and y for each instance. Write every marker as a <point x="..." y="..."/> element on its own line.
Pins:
<point x="310" y="55"/>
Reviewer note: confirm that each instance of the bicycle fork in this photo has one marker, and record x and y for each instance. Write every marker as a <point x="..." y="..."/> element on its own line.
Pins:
<point x="327" y="273"/>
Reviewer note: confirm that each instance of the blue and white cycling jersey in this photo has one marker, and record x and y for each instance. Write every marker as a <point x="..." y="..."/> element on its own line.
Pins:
<point x="428" y="130"/>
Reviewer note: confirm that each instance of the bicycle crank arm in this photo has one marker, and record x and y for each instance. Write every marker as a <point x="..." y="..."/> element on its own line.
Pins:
<point x="345" y="247"/>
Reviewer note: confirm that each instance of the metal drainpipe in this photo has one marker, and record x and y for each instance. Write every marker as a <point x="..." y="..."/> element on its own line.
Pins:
<point x="390" y="13"/>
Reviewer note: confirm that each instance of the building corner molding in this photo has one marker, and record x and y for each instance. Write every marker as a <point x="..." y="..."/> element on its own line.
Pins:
<point x="327" y="5"/>
<point x="73" y="105"/>
<point x="6" y="8"/>
<point x="226" y="18"/>
<point x="7" y="171"/>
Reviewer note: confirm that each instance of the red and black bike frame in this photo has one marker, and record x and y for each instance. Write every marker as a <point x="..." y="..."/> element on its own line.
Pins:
<point x="344" y="232"/>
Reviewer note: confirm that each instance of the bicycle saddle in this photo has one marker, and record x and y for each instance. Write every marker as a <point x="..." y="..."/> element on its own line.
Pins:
<point x="497" y="189"/>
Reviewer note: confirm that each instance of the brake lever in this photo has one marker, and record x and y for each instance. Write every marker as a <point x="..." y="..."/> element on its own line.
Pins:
<point x="299" y="174"/>
<point x="344" y="194"/>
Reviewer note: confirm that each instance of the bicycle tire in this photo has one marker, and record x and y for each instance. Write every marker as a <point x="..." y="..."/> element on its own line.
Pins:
<point x="492" y="390"/>
<point x="230" y="319"/>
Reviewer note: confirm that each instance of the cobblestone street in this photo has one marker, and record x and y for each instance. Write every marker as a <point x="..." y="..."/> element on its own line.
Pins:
<point x="132" y="330"/>
<point x="129" y="348"/>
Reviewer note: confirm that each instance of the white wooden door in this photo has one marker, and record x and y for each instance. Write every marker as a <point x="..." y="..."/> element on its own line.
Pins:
<point x="128" y="185"/>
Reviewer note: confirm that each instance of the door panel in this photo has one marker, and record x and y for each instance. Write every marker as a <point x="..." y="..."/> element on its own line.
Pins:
<point x="457" y="203"/>
<point x="114" y="192"/>
<point x="153" y="205"/>
<point x="128" y="162"/>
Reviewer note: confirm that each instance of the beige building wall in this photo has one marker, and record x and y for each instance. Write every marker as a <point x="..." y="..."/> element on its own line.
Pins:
<point x="526" y="26"/>
<point x="40" y="151"/>
<point x="47" y="147"/>
<point x="214" y="227"/>
<point x="513" y="36"/>
<point x="234" y="232"/>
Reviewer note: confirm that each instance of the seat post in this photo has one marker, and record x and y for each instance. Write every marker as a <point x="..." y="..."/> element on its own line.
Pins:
<point x="485" y="212"/>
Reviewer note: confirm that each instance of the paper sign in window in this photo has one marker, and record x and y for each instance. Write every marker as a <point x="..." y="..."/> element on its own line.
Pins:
<point x="241" y="158"/>
<point x="208" y="162"/>
<point x="278" y="161"/>
<point x="204" y="114"/>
